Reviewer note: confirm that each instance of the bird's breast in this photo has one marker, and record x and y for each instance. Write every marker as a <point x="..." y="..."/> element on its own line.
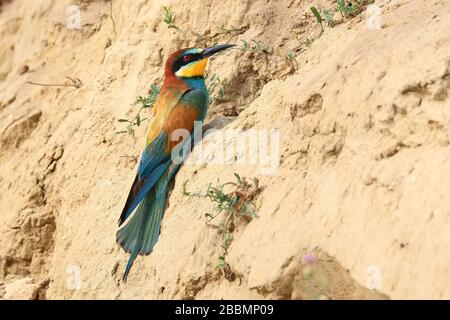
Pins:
<point x="181" y="117"/>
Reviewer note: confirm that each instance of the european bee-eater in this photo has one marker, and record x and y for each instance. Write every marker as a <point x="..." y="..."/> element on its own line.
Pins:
<point x="183" y="99"/>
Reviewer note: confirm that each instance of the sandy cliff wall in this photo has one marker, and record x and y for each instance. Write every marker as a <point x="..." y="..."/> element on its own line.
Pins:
<point x="362" y="188"/>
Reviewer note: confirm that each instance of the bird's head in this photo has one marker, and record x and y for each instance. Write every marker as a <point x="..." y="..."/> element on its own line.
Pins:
<point x="191" y="62"/>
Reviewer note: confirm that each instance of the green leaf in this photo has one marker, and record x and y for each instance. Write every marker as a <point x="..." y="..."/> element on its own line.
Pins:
<point x="317" y="14"/>
<point x="233" y="201"/>
<point x="138" y="120"/>
<point x="328" y="16"/>
<point x="155" y="89"/>
<point x="123" y="120"/>
<point x="318" y="17"/>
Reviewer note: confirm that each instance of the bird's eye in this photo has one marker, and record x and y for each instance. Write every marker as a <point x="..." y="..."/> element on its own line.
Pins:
<point x="186" y="58"/>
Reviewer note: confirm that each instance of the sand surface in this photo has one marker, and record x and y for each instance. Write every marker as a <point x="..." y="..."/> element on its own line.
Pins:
<point x="358" y="205"/>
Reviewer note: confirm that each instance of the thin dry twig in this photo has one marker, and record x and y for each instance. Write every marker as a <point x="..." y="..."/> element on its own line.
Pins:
<point x="73" y="82"/>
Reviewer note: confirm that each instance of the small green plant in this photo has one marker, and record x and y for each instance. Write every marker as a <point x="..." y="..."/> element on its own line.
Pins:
<point x="169" y="17"/>
<point x="351" y="8"/>
<point x="329" y="18"/>
<point x="222" y="264"/>
<point x="239" y="203"/>
<point x="255" y="47"/>
<point x="309" y="42"/>
<point x="346" y="8"/>
<point x="216" y="88"/>
<point x="291" y="57"/>
<point x="224" y="267"/>
<point x="145" y="103"/>
<point x="149" y="100"/>
<point x="319" y="18"/>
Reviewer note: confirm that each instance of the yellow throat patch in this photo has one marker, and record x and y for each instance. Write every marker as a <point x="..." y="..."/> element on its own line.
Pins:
<point x="194" y="69"/>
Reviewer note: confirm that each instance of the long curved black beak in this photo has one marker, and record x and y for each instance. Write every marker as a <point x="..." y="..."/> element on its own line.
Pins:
<point x="214" y="49"/>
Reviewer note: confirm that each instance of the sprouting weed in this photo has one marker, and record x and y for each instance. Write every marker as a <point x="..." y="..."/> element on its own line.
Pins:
<point x="291" y="57"/>
<point x="238" y="203"/>
<point x="319" y="18"/>
<point x="225" y="268"/>
<point x="169" y="17"/>
<point x="253" y="46"/>
<point x="146" y="103"/>
<point x="309" y="42"/>
<point x="345" y="8"/>
<point x="351" y="8"/>
<point x="245" y="46"/>
<point x="301" y="47"/>
<point x="216" y="88"/>
<point x="329" y="18"/>
<point x="222" y="263"/>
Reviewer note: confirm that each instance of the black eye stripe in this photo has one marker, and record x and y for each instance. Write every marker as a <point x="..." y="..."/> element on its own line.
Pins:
<point x="182" y="61"/>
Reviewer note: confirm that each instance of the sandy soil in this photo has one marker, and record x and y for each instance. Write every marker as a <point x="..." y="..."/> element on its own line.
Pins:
<point x="358" y="206"/>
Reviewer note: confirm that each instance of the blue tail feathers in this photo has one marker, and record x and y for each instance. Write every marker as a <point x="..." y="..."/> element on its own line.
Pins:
<point x="139" y="234"/>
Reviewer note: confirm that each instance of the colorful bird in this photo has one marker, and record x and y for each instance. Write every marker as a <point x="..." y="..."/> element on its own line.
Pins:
<point x="183" y="99"/>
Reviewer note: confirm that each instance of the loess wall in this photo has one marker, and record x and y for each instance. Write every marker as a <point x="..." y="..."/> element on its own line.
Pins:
<point x="363" y="117"/>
